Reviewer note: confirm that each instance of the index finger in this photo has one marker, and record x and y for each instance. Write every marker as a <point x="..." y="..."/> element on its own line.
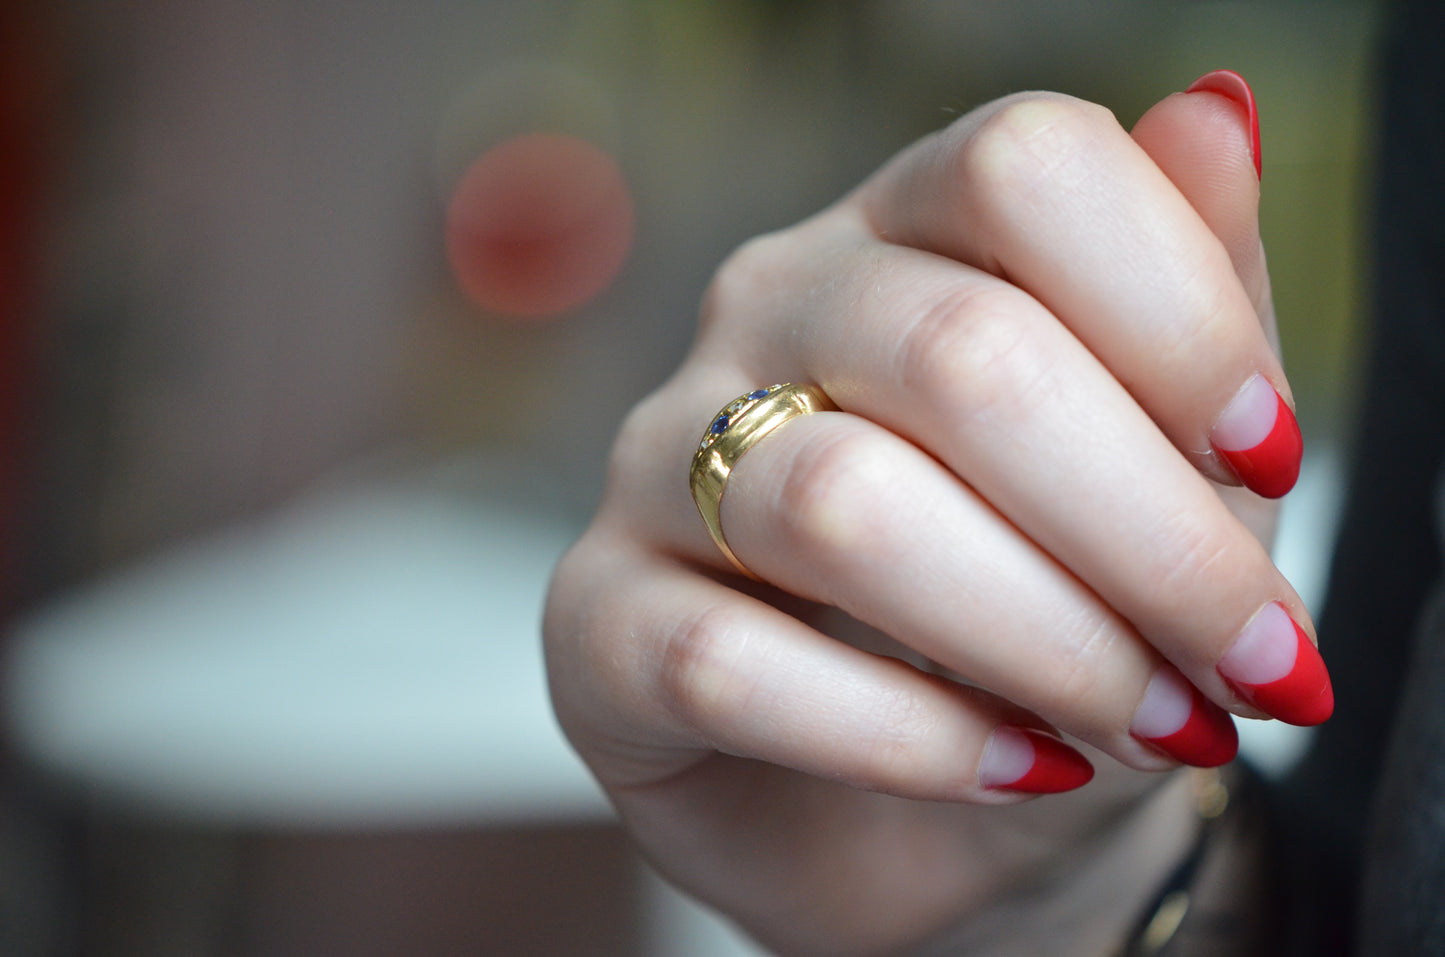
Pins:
<point x="1052" y="194"/>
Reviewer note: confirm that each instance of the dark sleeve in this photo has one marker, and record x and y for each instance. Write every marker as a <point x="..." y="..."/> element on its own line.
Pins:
<point x="1388" y="556"/>
<point x="1402" y="904"/>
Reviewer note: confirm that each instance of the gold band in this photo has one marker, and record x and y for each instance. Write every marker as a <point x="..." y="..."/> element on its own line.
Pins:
<point x="733" y="431"/>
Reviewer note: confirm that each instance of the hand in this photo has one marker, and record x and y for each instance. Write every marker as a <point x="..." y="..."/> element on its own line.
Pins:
<point x="1051" y="345"/>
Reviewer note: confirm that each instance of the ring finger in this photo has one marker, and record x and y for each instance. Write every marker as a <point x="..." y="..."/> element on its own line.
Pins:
<point x="843" y="512"/>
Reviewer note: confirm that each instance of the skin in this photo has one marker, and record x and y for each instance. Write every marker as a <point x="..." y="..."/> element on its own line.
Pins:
<point x="1030" y="320"/>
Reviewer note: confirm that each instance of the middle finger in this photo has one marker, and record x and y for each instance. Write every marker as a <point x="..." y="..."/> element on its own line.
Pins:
<point x="980" y="375"/>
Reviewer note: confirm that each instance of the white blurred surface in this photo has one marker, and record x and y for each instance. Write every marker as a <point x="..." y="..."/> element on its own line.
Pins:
<point x="368" y="655"/>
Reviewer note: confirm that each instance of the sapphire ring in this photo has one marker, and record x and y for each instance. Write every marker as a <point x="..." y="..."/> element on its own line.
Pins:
<point x="734" y="430"/>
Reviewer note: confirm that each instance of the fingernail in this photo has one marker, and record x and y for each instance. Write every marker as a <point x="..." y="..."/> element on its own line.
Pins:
<point x="1031" y="762"/>
<point x="1274" y="666"/>
<point x="1258" y="438"/>
<point x="1176" y="718"/>
<point x="1229" y="84"/>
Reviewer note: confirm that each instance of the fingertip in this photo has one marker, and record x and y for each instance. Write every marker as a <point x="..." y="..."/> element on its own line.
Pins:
<point x="1177" y="720"/>
<point x="1235" y="88"/>
<point x="1206" y="143"/>
<point x="1029" y="761"/>
<point x="1275" y="667"/>
<point x="1259" y="438"/>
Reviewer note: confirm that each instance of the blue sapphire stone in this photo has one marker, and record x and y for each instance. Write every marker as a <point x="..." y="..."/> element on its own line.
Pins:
<point x="760" y="394"/>
<point x="719" y="425"/>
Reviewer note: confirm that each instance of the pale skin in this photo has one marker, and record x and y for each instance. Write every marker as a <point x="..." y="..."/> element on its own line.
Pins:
<point x="1030" y="322"/>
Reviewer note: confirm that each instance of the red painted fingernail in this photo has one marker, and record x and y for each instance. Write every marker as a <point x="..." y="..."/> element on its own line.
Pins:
<point x="1258" y="437"/>
<point x="1031" y="762"/>
<point x="1176" y="718"/>
<point x="1274" y="666"/>
<point x="1229" y="84"/>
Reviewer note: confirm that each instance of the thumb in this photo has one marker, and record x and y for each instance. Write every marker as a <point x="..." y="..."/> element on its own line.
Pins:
<point x="1206" y="140"/>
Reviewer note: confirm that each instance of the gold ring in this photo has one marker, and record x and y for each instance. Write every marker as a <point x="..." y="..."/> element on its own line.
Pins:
<point x="734" y="430"/>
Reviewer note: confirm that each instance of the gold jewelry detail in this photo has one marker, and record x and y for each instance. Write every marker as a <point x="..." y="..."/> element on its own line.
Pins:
<point x="733" y="431"/>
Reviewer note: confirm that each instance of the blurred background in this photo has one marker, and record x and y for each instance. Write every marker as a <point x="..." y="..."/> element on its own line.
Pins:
<point x="316" y="322"/>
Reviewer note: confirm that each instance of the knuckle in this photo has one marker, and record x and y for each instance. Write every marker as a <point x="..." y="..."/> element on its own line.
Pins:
<point x="637" y="440"/>
<point x="584" y="624"/>
<point x="820" y="502"/>
<point x="701" y="674"/>
<point x="663" y="427"/>
<point x="1192" y="551"/>
<point x="971" y="353"/>
<point x="1072" y="678"/>
<point x="565" y="597"/>
<point x="1210" y="317"/>
<point x="630" y="501"/>
<point x="895" y="753"/>
<point x="1026" y="143"/>
<point x="746" y="276"/>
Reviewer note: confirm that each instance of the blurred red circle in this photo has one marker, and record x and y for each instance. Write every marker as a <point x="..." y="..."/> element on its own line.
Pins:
<point x="538" y="225"/>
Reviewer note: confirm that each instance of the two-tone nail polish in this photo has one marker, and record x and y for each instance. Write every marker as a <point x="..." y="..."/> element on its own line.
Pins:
<point x="1275" y="667"/>
<point x="1028" y="761"/>
<point x="1174" y="717"/>
<point x="1258" y="437"/>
